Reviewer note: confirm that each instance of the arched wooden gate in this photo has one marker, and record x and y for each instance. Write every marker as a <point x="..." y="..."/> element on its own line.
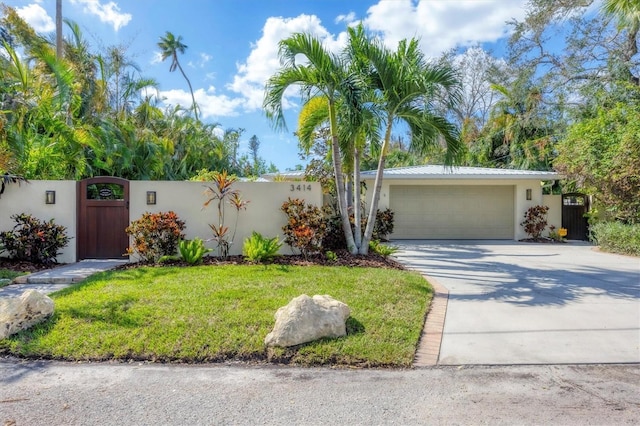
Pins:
<point x="574" y="209"/>
<point x="103" y="215"/>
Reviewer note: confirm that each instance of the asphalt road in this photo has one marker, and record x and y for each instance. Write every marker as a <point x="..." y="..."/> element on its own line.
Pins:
<point x="54" y="393"/>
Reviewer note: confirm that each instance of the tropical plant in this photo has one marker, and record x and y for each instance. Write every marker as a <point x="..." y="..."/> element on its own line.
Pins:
<point x="305" y="228"/>
<point x="34" y="240"/>
<point x="155" y="235"/>
<point x="382" y="249"/>
<point x="535" y="221"/>
<point x="192" y="251"/>
<point x="221" y="190"/>
<point x="259" y="249"/>
<point x="170" y="46"/>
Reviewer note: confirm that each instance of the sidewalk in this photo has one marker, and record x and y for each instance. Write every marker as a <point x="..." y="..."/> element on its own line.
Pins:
<point x="58" y="278"/>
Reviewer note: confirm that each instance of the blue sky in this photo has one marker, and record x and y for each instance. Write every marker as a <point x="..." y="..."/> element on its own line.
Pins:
<point x="232" y="44"/>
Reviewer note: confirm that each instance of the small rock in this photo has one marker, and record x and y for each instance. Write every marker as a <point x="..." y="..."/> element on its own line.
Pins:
<point x="306" y="319"/>
<point x="20" y="313"/>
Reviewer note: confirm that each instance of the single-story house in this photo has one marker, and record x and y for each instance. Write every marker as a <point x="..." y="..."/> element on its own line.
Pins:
<point x="438" y="202"/>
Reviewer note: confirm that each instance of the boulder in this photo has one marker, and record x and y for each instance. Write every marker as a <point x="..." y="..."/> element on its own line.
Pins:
<point x="22" y="312"/>
<point x="306" y="319"/>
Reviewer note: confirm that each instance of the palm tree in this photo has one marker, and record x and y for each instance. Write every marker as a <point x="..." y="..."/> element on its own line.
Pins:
<point x="627" y="13"/>
<point x="406" y="88"/>
<point x="326" y="76"/>
<point x="170" y="46"/>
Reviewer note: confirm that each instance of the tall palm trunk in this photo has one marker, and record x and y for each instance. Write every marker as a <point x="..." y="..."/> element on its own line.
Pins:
<point x="193" y="98"/>
<point x="340" y="187"/>
<point x="59" y="29"/>
<point x="377" y="189"/>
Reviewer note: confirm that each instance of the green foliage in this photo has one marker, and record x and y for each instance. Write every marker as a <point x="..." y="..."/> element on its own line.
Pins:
<point x="305" y="226"/>
<point x="616" y="237"/>
<point x="155" y="235"/>
<point x="601" y="156"/>
<point x="34" y="240"/>
<point x="382" y="249"/>
<point x="334" y="237"/>
<point x="221" y="190"/>
<point x="259" y="249"/>
<point x="535" y="221"/>
<point x="384" y="224"/>
<point x="192" y="251"/>
<point x="331" y="256"/>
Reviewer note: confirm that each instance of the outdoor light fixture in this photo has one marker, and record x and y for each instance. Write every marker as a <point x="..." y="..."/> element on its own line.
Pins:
<point x="151" y="197"/>
<point x="528" y="194"/>
<point x="50" y="197"/>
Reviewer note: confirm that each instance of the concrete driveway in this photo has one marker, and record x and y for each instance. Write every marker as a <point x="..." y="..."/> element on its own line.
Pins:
<point x="522" y="303"/>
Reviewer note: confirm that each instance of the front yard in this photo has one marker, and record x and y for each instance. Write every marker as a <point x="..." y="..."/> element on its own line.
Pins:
<point x="221" y="313"/>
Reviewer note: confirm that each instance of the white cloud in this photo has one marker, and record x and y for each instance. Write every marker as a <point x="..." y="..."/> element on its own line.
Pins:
<point x="263" y="61"/>
<point x="204" y="58"/>
<point x="348" y="18"/>
<point x="443" y="25"/>
<point x="37" y="17"/>
<point x="108" y="12"/>
<point x="211" y="104"/>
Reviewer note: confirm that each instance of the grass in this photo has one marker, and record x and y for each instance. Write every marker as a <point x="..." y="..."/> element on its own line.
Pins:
<point x="7" y="275"/>
<point x="219" y="313"/>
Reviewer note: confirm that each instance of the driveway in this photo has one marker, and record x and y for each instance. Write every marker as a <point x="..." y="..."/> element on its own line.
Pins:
<point x="522" y="303"/>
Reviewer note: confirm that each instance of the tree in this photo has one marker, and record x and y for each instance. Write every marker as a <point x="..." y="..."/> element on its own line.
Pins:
<point x="170" y="46"/>
<point x="324" y="75"/>
<point x="406" y="89"/>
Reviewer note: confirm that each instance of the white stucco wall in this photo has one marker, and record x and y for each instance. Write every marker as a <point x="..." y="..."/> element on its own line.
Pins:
<point x="262" y="214"/>
<point x="520" y="187"/>
<point x="30" y="198"/>
<point x="554" y="217"/>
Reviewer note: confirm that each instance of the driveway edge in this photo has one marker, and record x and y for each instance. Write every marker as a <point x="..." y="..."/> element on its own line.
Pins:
<point x="428" y="350"/>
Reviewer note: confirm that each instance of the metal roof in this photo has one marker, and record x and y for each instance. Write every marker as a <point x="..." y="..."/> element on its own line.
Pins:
<point x="445" y="172"/>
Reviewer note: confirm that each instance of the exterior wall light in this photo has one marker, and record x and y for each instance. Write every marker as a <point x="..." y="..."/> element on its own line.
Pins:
<point x="528" y="194"/>
<point x="50" y="197"/>
<point x="151" y="197"/>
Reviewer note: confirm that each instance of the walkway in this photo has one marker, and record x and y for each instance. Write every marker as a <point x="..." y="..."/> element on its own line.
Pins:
<point x="523" y="303"/>
<point x="58" y="278"/>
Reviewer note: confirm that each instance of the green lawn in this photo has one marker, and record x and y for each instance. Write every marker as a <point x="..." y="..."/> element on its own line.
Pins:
<point x="217" y="313"/>
<point x="6" y="275"/>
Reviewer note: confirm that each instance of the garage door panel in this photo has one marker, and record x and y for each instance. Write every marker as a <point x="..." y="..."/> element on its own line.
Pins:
<point x="452" y="212"/>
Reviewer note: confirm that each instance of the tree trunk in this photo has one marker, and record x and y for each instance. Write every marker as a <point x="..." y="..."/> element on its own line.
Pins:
<point x="377" y="189"/>
<point x="59" y="29"/>
<point x="357" y="213"/>
<point x="193" y="98"/>
<point x="337" y="167"/>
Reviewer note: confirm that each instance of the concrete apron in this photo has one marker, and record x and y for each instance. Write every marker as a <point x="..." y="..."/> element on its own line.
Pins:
<point x="525" y="303"/>
<point x="58" y="278"/>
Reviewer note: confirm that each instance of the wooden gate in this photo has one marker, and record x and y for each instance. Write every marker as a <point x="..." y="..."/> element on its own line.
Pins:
<point x="103" y="215"/>
<point x="574" y="209"/>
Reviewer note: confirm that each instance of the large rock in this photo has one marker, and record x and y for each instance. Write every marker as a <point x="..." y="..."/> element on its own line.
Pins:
<point x="22" y="312"/>
<point x="306" y="319"/>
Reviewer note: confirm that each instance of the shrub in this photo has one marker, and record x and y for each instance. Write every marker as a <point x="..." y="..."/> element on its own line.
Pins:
<point x="382" y="249"/>
<point x="535" y="221"/>
<point x="34" y="240"/>
<point x="305" y="226"/>
<point x="259" y="249"/>
<point x="334" y="237"/>
<point x="192" y="251"/>
<point x="222" y="191"/>
<point x="155" y="235"/>
<point x="616" y="237"/>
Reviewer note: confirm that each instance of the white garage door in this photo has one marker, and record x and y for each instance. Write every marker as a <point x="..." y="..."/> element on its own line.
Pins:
<point x="452" y="212"/>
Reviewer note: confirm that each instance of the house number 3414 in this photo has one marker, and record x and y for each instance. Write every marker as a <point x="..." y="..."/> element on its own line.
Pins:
<point x="299" y="187"/>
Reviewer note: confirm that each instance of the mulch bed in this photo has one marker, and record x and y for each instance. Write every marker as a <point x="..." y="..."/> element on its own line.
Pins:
<point x="371" y="260"/>
<point x="24" y="266"/>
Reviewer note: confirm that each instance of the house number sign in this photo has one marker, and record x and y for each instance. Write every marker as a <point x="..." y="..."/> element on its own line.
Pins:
<point x="106" y="192"/>
<point x="300" y="188"/>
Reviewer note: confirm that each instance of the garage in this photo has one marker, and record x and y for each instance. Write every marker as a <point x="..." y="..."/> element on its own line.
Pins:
<point x="452" y="212"/>
<point x="436" y="202"/>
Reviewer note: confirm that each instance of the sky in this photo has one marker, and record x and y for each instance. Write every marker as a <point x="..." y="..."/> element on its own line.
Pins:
<point x="232" y="45"/>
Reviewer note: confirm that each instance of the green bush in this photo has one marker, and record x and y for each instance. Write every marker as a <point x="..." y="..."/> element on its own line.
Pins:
<point x="259" y="249"/>
<point x="34" y="240"/>
<point x="616" y="237"/>
<point x="382" y="249"/>
<point x="192" y="251"/>
<point x="155" y="235"/>
<point x="334" y="237"/>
